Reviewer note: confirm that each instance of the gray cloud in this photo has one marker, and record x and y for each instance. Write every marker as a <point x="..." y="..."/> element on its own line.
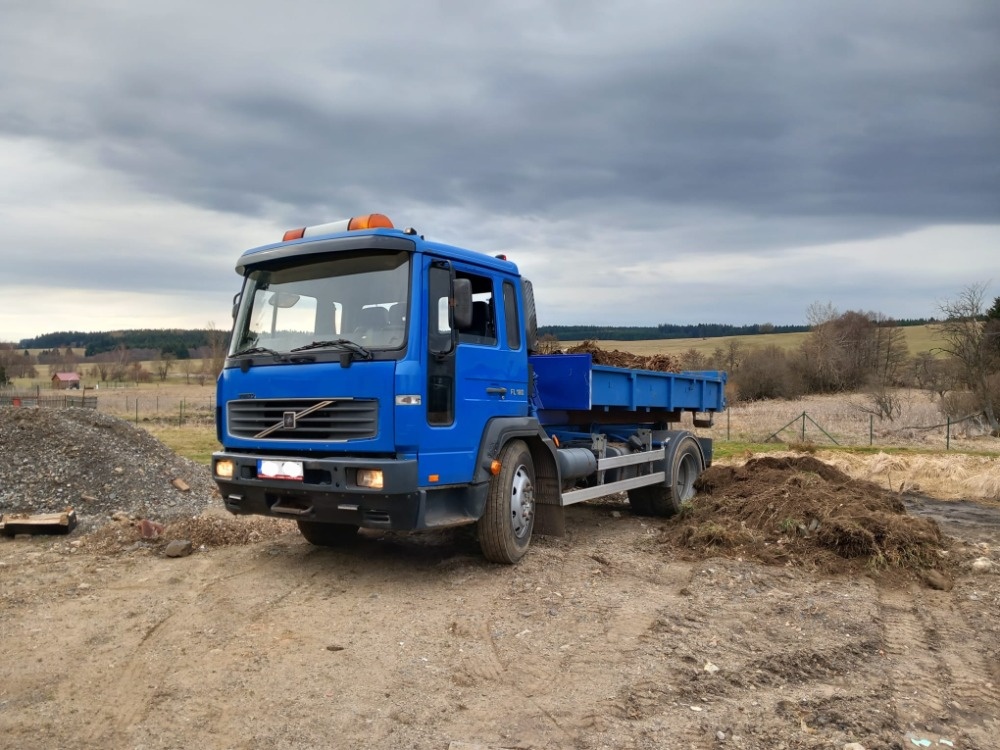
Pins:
<point x="727" y="128"/>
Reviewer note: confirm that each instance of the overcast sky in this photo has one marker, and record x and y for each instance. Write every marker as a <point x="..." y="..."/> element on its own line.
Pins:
<point x="642" y="162"/>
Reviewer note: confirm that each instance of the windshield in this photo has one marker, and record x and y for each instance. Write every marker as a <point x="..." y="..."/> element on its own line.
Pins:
<point x="334" y="302"/>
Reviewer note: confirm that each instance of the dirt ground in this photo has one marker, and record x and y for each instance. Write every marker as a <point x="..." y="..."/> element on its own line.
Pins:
<point x="628" y="632"/>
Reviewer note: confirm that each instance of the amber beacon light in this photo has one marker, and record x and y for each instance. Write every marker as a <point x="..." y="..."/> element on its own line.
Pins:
<point x="368" y="221"/>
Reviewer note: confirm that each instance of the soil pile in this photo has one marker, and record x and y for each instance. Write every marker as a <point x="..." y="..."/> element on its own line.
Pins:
<point x="615" y="358"/>
<point x="801" y="511"/>
<point x="51" y="459"/>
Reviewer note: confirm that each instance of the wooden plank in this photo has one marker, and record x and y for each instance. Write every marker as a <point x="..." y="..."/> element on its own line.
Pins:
<point x="39" y="523"/>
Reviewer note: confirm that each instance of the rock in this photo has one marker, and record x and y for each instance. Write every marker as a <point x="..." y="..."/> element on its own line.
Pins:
<point x="179" y="548"/>
<point x="854" y="746"/>
<point x="720" y="736"/>
<point x="149" y="529"/>
<point x="711" y="668"/>
<point x="181" y="485"/>
<point x="982" y="565"/>
<point x="938" y="580"/>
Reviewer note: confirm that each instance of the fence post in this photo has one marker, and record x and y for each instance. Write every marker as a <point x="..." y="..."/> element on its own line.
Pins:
<point x="137" y="410"/>
<point x="947" y="436"/>
<point x="727" y="424"/>
<point x="871" y="429"/>
<point x="803" y="427"/>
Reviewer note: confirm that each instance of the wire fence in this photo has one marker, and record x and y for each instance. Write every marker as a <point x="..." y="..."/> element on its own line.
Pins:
<point x="807" y="428"/>
<point x="133" y="405"/>
<point x="827" y="422"/>
<point x="48" y="399"/>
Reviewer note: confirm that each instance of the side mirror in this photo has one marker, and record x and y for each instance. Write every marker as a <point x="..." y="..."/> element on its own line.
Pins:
<point x="236" y="303"/>
<point x="283" y="299"/>
<point x="463" y="303"/>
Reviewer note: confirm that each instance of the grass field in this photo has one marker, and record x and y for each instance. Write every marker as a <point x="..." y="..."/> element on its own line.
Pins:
<point x="918" y="339"/>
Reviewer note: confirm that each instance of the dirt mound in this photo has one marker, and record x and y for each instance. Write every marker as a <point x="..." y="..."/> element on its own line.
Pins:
<point x="615" y="358"/>
<point x="211" y="529"/>
<point x="100" y="465"/>
<point x="803" y="512"/>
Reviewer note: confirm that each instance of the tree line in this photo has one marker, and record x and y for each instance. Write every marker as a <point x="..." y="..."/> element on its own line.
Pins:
<point x="199" y="355"/>
<point x="866" y="352"/>
<point x="179" y="342"/>
<point x="681" y="331"/>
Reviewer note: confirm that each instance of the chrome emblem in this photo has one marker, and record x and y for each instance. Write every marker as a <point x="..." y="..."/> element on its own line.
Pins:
<point x="289" y="419"/>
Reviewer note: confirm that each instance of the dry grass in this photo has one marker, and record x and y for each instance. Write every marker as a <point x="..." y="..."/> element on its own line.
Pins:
<point x="921" y="424"/>
<point x="918" y="339"/>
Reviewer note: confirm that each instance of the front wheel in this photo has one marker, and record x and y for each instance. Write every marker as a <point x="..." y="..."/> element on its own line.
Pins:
<point x="327" y="534"/>
<point x="505" y="528"/>
<point x="665" y="500"/>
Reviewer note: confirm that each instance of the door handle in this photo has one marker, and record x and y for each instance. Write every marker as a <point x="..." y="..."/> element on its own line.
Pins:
<point x="500" y="391"/>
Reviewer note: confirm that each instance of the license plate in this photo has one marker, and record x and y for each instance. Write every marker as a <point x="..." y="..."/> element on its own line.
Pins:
<point x="290" y="470"/>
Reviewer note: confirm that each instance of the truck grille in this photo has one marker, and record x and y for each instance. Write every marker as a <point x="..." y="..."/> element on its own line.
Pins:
<point x="335" y="419"/>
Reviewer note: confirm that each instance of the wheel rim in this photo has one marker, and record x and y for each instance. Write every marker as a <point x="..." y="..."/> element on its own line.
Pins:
<point x="522" y="502"/>
<point x="687" y="473"/>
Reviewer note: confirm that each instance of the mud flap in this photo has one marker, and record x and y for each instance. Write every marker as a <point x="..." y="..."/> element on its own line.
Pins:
<point x="550" y="520"/>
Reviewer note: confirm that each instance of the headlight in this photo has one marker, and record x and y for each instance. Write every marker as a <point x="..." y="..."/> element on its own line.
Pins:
<point x="371" y="478"/>
<point x="224" y="469"/>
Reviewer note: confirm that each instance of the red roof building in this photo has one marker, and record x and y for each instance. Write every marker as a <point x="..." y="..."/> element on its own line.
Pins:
<point x="64" y="380"/>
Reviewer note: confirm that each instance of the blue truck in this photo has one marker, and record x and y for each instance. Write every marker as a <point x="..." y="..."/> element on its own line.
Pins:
<point x="376" y="379"/>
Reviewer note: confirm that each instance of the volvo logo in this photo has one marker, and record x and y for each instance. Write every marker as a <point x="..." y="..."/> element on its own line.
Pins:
<point x="290" y="419"/>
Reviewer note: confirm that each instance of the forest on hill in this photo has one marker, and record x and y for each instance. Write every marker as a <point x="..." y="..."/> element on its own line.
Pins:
<point x="682" y="331"/>
<point x="178" y="342"/>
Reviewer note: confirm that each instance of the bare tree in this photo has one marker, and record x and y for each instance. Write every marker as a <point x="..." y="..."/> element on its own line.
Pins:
<point x="972" y="342"/>
<point x="693" y="359"/>
<point x="164" y="362"/>
<point x="217" y="341"/>
<point x="120" y="364"/>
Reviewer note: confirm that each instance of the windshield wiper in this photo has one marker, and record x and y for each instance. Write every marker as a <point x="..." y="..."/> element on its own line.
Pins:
<point x="346" y="344"/>
<point x="261" y="350"/>
<point x="278" y="356"/>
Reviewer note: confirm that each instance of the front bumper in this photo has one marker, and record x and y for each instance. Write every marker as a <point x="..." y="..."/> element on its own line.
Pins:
<point x="329" y="493"/>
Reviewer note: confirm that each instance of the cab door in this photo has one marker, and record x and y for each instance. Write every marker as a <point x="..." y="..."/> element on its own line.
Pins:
<point x="479" y="377"/>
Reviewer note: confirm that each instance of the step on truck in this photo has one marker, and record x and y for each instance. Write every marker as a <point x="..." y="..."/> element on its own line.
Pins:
<point x="375" y="379"/>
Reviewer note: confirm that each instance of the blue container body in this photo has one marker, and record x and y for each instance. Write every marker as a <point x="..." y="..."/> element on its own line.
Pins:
<point x="572" y="383"/>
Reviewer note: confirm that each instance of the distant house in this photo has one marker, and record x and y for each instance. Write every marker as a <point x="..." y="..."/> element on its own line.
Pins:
<point x="64" y="380"/>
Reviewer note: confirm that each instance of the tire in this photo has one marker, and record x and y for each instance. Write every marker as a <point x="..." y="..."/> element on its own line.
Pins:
<point x="505" y="527"/>
<point x="327" y="534"/>
<point x="665" y="500"/>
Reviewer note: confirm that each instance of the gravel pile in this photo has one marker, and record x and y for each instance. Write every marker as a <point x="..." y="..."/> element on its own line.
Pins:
<point x="52" y="459"/>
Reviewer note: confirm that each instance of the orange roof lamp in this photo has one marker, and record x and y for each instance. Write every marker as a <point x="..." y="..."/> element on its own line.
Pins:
<point x="367" y="221"/>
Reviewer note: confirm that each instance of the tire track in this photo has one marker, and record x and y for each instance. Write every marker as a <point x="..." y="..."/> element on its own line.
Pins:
<point x="131" y="695"/>
<point x="938" y="674"/>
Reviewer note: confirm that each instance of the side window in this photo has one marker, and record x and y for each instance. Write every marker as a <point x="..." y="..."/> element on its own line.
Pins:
<point x="511" y="320"/>
<point x="483" y="329"/>
<point x="441" y="367"/>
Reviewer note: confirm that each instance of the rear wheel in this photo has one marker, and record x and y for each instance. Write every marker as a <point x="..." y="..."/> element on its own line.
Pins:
<point x="505" y="528"/>
<point x="665" y="500"/>
<point x="327" y="534"/>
